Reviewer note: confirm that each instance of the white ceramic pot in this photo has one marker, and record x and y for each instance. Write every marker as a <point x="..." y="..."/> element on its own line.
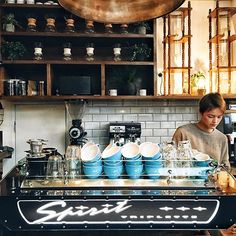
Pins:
<point x="9" y="28"/>
<point x="20" y="1"/>
<point x="10" y="1"/>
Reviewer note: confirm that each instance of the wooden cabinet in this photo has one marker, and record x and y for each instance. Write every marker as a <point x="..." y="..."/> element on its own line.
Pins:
<point x="222" y="46"/>
<point x="75" y="78"/>
<point x="177" y="51"/>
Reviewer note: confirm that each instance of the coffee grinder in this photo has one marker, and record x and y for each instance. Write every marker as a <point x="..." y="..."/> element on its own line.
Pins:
<point x="76" y="109"/>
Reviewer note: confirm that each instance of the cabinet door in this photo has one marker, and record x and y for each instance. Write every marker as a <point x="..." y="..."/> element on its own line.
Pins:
<point x="40" y="122"/>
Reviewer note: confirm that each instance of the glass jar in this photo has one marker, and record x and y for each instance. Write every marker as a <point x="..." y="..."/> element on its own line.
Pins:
<point x="90" y="52"/>
<point x="22" y="88"/>
<point x="73" y="162"/>
<point x="50" y="24"/>
<point x="70" y="27"/>
<point x="108" y="28"/>
<point x="117" y="52"/>
<point x="124" y="29"/>
<point x="89" y="27"/>
<point x="38" y="51"/>
<point x="67" y="51"/>
<point x="31" y="26"/>
<point x="41" y="88"/>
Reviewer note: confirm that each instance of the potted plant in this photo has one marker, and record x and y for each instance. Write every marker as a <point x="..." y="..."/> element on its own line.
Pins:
<point x="142" y="27"/>
<point x="127" y="80"/>
<point x="13" y="50"/>
<point x="9" y="22"/>
<point x="140" y="52"/>
<point x="198" y="83"/>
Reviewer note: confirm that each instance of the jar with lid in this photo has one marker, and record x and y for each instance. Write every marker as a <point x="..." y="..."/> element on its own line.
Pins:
<point x="22" y="88"/>
<point x="9" y="88"/>
<point x="41" y="88"/>
<point x="67" y="51"/>
<point x="38" y="51"/>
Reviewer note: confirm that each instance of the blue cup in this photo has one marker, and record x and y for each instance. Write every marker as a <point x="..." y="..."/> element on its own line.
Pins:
<point x="130" y="150"/>
<point x="90" y="153"/>
<point x="202" y="160"/>
<point x="156" y="163"/>
<point x="134" y="171"/>
<point x="113" y="171"/>
<point x="150" y="151"/>
<point x="152" y="171"/>
<point x="93" y="163"/>
<point x="134" y="161"/>
<point x="111" y="153"/>
<point x="92" y="172"/>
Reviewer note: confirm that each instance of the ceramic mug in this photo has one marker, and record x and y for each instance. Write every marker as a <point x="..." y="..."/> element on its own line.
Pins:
<point x="143" y="92"/>
<point x="113" y="92"/>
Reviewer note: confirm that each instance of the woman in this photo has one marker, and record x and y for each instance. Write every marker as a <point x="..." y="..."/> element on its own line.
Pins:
<point x="203" y="135"/>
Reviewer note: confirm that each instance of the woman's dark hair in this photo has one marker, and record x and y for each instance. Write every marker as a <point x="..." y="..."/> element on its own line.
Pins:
<point x="211" y="101"/>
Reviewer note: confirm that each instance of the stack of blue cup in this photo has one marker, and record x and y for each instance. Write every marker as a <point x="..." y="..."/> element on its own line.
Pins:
<point x="133" y="160"/>
<point x="152" y="159"/>
<point x="113" y="165"/>
<point x="92" y="162"/>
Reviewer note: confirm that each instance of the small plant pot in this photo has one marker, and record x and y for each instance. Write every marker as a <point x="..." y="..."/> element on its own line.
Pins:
<point x="20" y="1"/>
<point x="142" y="30"/>
<point x="10" y="28"/>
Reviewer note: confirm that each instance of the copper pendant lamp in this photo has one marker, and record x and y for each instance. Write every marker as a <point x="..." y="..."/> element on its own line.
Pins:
<point x="120" y="11"/>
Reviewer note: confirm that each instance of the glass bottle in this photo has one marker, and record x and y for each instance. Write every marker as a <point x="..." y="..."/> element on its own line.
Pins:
<point x="41" y="88"/>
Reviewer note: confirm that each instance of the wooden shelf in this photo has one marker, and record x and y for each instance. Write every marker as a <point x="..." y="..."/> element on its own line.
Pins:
<point x="223" y="69"/>
<point x="174" y="39"/>
<point x="95" y="97"/>
<point x="75" y="62"/>
<point x="177" y="69"/>
<point x="231" y="10"/>
<point x="39" y="6"/>
<point x="76" y="34"/>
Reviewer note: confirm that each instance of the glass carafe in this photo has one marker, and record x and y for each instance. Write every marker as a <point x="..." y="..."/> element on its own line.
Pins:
<point x="73" y="162"/>
<point x="55" y="168"/>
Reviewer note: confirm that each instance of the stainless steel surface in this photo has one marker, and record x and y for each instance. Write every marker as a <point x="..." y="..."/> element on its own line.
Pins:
<point x="120" y="11"/>
<point x="117" y="183"/>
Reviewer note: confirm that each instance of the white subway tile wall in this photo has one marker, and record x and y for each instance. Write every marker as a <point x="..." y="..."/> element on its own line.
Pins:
<point x="158" y="119"/>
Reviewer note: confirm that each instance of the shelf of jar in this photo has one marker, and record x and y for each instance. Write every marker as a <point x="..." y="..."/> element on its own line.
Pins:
<point x="175" y="39"/>
<point x="105" y="97"/>
<point x="76" y="34"/>
<point x="231" y="10"/>
<point x="75" y="62"/>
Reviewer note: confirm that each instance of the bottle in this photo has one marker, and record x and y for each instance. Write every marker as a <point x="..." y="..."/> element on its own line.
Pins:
<point x="41" y="88"/>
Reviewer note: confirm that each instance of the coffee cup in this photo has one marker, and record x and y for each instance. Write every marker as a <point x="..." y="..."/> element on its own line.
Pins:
<point x="113" y="92"/>
<point x="143" y="92"/>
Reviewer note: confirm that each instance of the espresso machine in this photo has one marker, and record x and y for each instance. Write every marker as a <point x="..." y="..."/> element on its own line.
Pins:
<point x="124" y="132"/>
